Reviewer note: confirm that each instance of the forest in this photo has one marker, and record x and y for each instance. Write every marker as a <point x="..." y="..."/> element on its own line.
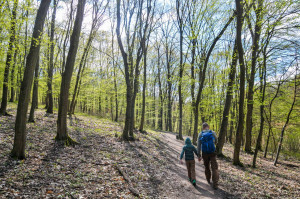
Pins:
<point x="98" y="96"/>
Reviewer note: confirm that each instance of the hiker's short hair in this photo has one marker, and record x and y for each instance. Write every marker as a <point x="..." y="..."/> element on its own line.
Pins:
<point x="204" y="125"/>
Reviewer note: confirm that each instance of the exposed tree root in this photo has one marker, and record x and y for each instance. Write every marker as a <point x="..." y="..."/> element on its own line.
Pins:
<point x="67" y="142"/>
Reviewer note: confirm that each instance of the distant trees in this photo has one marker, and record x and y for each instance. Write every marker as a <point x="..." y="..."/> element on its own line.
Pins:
<point x="163" y="65"/>
<point x="9" y="60"/>
<point x="97" y="14"/>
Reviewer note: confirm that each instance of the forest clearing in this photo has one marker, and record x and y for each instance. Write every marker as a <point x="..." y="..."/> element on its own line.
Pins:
<point x="149" y="98"/>
<point x="89" y="170"/>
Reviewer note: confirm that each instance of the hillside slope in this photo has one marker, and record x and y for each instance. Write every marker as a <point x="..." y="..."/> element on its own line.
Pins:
<point x="103" y="166"/>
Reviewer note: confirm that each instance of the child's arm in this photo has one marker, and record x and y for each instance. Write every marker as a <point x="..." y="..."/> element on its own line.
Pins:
<point x="182" y="153"/>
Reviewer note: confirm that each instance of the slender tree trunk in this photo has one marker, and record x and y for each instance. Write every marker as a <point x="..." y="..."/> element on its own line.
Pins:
<point x="160" y="113"/>
<point x="250" y="102"/>
<point x="154" y="105"/>
<point x="240" y="127"/>
<point x="116" y="96"/>
<point x="287" y="120"/>
<point x="51" y="62"/>
<point x="179" y="9"/>
<point x="169" y="84"/>
<point x="270" y="118"/>
<point x="224" y="124"/>
<point x="144" y="92"/>
<point x="262" y="119"/>
<point x="9" y="58"/>
<point x="34" y="102"/>
<point x="62" y="133"/>
<point x="18" y="150"/>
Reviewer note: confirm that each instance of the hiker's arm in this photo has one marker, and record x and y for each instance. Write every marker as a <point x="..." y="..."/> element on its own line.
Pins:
<point x="199" y="146"/>
<point x="181" y="155"/>
<point x="215" y="136"/>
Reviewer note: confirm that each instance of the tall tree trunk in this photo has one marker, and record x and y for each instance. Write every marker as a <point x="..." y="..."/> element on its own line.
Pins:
<point x="270" y="117"/>
<point x="154" y="105"/>
<point x="160" y="113"/>
<point x="224" y="124"/>
<point x="128" y="83"/>
<point x="9" y="58"/>
<point x="18" y="150"/>
<point x="262" y="106"/>
<point x="62" y="133"/>
<point x="51" y="62"/>
<point x="181" y="25"/>
<point x="287" y="120"/>
<point x="116" y="96"/>
<point x="169" y="91"/>
<point x="250" y="102"/>
<point x="144" y="92"/>
<point x="34" y="100"/>
<point x="240" y="127"/>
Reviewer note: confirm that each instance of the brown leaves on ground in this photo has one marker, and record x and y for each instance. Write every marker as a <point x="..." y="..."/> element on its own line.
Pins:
<point x="90" y="169"/>
<point x="264" y="181"/>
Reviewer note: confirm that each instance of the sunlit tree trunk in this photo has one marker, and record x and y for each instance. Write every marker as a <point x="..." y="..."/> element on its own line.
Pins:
<point x="240" y="126"/>
<point x="34" y="100"/>
<point x="255" y="47"/>
<point x="18" y="150"/>
<point x="263" y="83"/>
<point x="287" y="119"/>
<point x="224" y="124"/>
<point x="62" y="134"/>
<point x="51" y="61"/>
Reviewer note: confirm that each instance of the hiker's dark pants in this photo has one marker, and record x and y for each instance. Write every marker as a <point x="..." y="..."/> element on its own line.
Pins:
<point x="190" y="165"/>
<point x="211" y="159"/>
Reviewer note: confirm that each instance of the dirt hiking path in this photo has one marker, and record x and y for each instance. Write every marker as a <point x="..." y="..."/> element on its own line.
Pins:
<point x="188" y="191"/>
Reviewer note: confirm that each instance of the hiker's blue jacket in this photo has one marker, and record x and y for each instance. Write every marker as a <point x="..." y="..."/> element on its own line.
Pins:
<point x="188" y="150"/>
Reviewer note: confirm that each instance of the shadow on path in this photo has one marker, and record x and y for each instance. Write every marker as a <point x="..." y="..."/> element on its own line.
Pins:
<point x="203" y="189"/>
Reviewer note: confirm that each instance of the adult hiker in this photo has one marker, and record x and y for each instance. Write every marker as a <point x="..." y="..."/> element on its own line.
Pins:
<point x="206" y="143"/>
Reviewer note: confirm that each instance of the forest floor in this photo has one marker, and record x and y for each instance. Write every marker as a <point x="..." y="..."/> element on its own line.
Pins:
<point x="102" y="166"/>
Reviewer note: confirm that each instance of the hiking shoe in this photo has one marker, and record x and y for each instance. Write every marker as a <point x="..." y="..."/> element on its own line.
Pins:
<point x="190" y="179"/>
<point x="194" y="182"/>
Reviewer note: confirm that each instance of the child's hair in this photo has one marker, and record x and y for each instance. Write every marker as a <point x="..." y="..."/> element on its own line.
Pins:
<point x="205" y="125"/>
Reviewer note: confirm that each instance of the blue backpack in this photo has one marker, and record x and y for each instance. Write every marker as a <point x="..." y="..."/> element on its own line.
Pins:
<point x="207" y="142"/>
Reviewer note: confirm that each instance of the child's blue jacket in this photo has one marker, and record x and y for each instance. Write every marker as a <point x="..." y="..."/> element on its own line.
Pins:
<point x="188" y="150"/>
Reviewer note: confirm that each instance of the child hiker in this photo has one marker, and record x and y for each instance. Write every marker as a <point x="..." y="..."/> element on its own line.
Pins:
<point x="206" y="142"/>
<point x="188" y="151"/>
